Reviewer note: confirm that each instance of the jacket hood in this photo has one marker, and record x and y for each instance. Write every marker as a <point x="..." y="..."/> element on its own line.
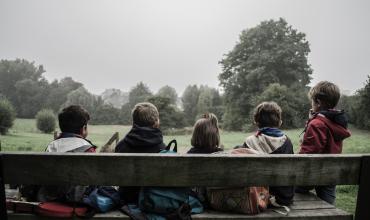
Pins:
<point x="337" y="116"/>
<point x="265" y="143"/>
<point x="337" y="123"/>
<point x="143" y="137"/>
<point x="69" y="144"/>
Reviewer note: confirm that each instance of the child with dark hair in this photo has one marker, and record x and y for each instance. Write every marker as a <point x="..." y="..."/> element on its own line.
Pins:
<point x="73" y="122"/>
<point x="325" y="130"/>
<point x="73" y="125"/>
<point x="269" y="139"/>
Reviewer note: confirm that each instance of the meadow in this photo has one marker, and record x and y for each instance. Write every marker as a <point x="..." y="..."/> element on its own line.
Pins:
<point x="24" y="136"/>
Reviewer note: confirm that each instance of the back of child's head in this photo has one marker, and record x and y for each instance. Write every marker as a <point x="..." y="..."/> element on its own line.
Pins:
<point x="145" y="114"/>
<point x="267" y="114"/>
<point x="73" y="118"/>
<point x="327" y="93"/>
<point x="206" y="132"/>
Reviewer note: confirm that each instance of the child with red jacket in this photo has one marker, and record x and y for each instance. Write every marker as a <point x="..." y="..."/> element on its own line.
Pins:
<point x="325" y="130"/>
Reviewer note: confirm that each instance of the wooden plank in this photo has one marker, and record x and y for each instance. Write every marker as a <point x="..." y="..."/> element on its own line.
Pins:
<point x="3" y="214"/>
<point x="335" y="214"/>
<point x="180" y="170"/>
<point x="363" y="194"/>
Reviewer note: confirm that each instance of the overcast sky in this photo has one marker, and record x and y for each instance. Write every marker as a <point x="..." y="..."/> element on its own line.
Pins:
<point x="115" y="44"/>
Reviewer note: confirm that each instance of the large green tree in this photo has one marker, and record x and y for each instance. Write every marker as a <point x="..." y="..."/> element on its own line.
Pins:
<point x="139" y="93"/>
<point x="23" y="85"/>
<point x="361" y="105"/>
<point x="170" y="116"/>
<point x="271" y="52"/>
<point x="168" y="92"/>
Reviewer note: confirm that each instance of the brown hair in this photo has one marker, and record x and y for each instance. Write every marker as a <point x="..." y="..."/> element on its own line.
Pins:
<point x="206" y="133"/>
<point x="267" y="114"/>
<point x="73" y="118"/>
<point x="145" y="114"/>
<point x="328" y="93"/>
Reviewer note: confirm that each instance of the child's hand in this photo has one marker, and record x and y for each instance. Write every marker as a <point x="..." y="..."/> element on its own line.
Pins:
<point x="310" y="114"/>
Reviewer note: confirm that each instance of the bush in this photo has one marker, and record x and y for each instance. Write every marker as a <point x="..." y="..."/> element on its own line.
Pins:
<point x="7" y="115"/>
<point x="46" y="120"/>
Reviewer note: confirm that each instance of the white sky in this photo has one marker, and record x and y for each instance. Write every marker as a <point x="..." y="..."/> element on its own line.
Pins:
<point x="117" y="43"/>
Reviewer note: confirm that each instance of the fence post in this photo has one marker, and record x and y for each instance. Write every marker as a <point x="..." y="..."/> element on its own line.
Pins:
<point x="363" y="194"/>
<point x="3" y="213"/>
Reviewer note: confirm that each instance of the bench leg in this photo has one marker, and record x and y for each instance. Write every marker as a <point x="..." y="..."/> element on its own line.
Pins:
<point x="3" y="214"/>
<point x="363" y="194"/>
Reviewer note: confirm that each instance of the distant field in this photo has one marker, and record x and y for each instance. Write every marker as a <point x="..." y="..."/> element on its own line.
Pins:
<point x="25" y="137"/>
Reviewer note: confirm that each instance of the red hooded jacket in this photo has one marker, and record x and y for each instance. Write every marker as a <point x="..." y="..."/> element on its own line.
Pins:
<point x="325" y="134"/>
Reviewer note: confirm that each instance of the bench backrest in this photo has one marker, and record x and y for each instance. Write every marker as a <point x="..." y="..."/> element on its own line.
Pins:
<point x="186" y="170"/>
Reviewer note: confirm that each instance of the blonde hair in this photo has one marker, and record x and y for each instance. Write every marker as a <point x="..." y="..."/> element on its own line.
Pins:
<point x="267" y="114"/>
<point x="328" y="93"/>
<point x="145" y="114"/>
<point x="206" y="133"/>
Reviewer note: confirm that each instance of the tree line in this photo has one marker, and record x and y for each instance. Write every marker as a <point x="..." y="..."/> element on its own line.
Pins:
<point x="268" y="63"/>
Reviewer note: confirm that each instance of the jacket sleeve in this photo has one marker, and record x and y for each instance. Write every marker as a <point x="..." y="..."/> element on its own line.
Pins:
<point x="314" y="139"/>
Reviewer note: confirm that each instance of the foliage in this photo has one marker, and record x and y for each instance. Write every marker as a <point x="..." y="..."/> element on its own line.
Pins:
<point x="125" y="114"/>
<point x="139" y="93"/>
<point x="170" y="116"/>
<point x="189" y="101"/>
<point x="106" y="114"/>
<point x="46" y="120"/>
<point x="23" y="84"/>
<point x="7" y="115"/>
<point x="168" y="92"/>
<point x="58" y="92"/>
<point x="272" y="52"/>
<point x="209" y="100"/>
<point x="361" y="105"/>
<point x="294" y="104"/>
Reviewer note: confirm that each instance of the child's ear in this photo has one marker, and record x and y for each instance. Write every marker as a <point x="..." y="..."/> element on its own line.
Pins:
<point x="280" y="123"/>
<point x="156" y="124"/>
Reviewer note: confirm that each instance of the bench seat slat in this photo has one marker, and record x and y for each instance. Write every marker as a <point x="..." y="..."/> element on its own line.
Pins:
<point x="306" y="207"/>
<point x="311" y="214"/>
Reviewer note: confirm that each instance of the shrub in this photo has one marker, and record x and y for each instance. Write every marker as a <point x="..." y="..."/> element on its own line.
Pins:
<point x="7" y="115"/>
<point x="46" y="120"/>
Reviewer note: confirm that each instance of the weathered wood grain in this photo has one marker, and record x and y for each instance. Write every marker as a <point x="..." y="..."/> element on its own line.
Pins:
<point x="334" y="214"/>
<point x="3" y="214"/>
<point x="180" y="170"/>
<point x="363" y="195"/>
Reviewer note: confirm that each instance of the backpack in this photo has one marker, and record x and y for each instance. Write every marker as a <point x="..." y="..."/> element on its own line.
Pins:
<point x="244" y="200"/>
<point x="102" y="198"/>
<point x="168" y="202"/>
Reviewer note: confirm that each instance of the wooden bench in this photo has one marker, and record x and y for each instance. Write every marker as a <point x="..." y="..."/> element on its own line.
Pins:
<point x="196" y="170"/>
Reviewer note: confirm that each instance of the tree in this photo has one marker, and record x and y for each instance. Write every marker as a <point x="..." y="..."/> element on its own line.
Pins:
<point x="170" y="116"/>
<point x="189" y="101"/>
<point x="7" y="115"/>
<point x="46" y="120"/>
<point x="23" y="84"/>
<point x="294" y="105"/>
<point x="168" y="92"/>
<point x="106" y="114"/>
<point x="362" y="106"/>
<point x="272" y="52"/>
<point x="30" y="96"/>
<point x="139" y="93"/>
<point x="58" y="92"/>
<point x="209" y="100"/>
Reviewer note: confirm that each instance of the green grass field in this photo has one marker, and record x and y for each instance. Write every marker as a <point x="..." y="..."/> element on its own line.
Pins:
<point x="25" y="137"/>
